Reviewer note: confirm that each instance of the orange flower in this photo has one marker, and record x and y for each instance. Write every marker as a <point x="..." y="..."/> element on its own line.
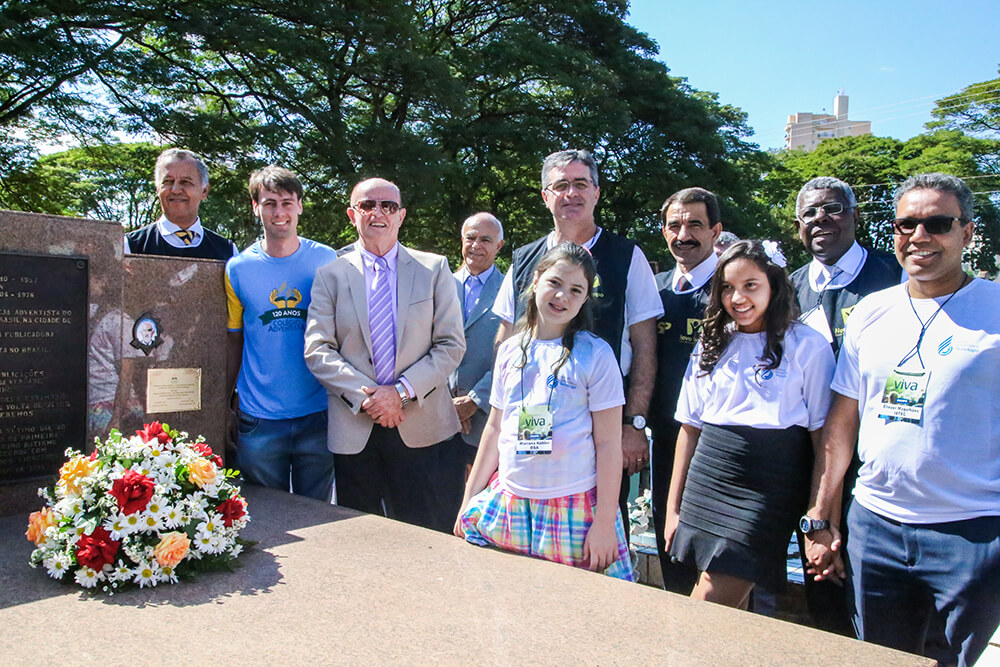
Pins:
<point x="171" y="549"/>
<point x="37" y="523"/>
<point x="73" y="472"/>
<point x="202" y="472"/>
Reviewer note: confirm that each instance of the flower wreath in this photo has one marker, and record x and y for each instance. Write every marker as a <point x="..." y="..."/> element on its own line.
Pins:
<point x="141" y="510"/>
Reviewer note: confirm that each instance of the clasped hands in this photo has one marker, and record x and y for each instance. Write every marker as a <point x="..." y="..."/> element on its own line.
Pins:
<point x="384" y="405"/>
<point x="823" y="556"/>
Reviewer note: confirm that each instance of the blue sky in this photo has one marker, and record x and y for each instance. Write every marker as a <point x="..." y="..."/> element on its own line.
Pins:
<point x="775" y="58"/>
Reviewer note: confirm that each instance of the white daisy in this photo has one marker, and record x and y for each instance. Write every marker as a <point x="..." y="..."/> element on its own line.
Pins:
<point x="170" y="517"/>
<point x="88" y="578"/>
<point x="121" y="572"/>
<point x="235" y="550"/>
<point x="167" y="574"/>
<point x="147" y="573"/>
<point x="150" y="522"/>
<point x="133" y="522"/>
<point x="117" y="526"/>
<point x="57" y="565"/>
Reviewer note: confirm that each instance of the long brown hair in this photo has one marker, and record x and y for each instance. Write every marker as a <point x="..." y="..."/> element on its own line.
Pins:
<point x="584" y="320"/>
<point x="782" y="309"/>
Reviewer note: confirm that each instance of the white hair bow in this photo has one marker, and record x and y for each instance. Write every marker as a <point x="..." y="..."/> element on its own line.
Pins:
<point x="774" y="253"/>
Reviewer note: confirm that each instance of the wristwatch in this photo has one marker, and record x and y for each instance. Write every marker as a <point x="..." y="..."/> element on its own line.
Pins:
<point x="807" y="524"/>
<point x="401" y="390"/>
<point x="638" y="422"/>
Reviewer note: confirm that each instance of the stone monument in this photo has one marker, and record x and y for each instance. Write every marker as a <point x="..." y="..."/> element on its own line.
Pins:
<point x="92" y="339"/>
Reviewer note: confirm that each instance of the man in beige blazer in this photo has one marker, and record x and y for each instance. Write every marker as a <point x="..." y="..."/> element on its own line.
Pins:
<point x="384" y="333"/>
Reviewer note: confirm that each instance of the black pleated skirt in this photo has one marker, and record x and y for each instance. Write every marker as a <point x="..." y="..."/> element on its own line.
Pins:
<point x="745" y="491"/>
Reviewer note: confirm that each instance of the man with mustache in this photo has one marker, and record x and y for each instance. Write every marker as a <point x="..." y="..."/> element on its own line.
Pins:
<point x="626" y="302"/>
<point x="691" y="225"/>
<point x="841" y="272"/>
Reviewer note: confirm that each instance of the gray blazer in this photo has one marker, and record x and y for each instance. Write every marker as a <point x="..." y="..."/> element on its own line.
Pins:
<point x="475" y="374"/>
<point x="429" y="345"/>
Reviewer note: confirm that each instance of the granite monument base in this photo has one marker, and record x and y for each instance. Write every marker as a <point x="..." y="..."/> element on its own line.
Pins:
<point x="332" y="586"/>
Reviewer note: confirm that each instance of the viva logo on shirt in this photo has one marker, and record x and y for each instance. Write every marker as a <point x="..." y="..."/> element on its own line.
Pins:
<point x="285" y="300"/>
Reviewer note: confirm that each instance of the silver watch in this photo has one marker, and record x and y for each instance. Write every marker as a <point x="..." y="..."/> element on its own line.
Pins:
<point x="401" y="390"/>
<point x="638" y="422"/>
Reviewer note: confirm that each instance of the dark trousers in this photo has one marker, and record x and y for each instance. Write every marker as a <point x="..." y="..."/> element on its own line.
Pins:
<point x="677" y="577"/>
<point x="925" y="588"/>
<point x="399" y="482"/>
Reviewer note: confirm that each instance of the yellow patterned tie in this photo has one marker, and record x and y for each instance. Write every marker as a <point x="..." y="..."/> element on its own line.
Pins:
<point x="184" y="235"/>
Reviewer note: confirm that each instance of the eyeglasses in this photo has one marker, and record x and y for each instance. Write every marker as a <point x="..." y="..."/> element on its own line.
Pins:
<point x="368" y="205"/>
<point x="562" y="187"/>
<point x="813" y="212"/>
<point x="936" y="224"/>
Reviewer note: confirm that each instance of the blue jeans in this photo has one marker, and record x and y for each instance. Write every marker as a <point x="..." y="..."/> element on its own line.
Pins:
<point x="269" y="451"/>
<point x="932" y="589"/>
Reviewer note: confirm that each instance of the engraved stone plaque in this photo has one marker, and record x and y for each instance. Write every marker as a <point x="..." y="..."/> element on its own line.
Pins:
<point x="43" y="362"/>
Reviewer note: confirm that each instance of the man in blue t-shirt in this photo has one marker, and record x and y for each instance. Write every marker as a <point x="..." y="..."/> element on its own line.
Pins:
<point x="282" y="408"/>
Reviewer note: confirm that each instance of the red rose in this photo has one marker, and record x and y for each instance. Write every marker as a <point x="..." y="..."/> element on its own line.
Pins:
<point x="132" y="491"/>
<point x="97" y="549"/>
<point x="207" y="452"/>
<point x="231" y="510"/>
<point x="154" y="430"/>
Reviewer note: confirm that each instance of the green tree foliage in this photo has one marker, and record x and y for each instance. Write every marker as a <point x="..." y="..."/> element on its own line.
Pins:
<point x="875" y="166"/>
<point x="974" y="110"/>
<point x="455" y="100"/>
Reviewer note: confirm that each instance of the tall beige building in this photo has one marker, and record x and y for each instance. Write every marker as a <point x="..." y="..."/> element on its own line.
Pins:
<point x="805" y="131"/>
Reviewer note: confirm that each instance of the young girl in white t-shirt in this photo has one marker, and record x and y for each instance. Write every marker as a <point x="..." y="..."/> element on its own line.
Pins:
<point x="754" y="399"/>
<point x="554" y="432"/>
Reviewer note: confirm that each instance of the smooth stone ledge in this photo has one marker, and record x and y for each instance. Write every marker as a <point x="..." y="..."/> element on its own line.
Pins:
<point x="332" y="586"/>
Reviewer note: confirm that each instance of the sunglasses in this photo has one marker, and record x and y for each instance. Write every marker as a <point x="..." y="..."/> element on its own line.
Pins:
<point x="368" y="205"/>
<point x="936" y="224"/>
<point x="813" y="212"/>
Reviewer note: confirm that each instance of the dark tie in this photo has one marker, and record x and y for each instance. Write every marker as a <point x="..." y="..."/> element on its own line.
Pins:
<point x="184" y="235"/>
<point x="684" y="285"/>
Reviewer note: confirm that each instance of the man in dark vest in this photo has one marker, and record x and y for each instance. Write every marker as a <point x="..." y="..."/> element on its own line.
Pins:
<point x="181" y="179"/>
<point x="839" y="275"/>
<point x="691" y="227"/>
<point x="627" y="303"/>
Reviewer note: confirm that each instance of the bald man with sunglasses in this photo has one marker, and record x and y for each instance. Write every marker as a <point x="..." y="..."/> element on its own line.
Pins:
<point x="383" y="335"/>
<point x="914" y="388"/>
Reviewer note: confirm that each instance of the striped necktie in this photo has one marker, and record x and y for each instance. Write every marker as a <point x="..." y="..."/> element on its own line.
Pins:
<point x="184" y="235"/>
<point x="380" y="322"/>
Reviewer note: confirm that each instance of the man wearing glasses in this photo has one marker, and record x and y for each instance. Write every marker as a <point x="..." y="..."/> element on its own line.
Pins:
<point x="840" y="274"/>
<point x="384" y="332"/>
<point x="627" y="301"/>
<point x="914" y="388"/>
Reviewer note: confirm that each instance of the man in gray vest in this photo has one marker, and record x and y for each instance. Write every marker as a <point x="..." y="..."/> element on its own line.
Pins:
<point x="626" y="300"/>
<point x="841" y="272"/>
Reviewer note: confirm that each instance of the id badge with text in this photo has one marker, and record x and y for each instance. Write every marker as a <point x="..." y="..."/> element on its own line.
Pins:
<point x="534" y="430"/>
<point x="904" y="395"/>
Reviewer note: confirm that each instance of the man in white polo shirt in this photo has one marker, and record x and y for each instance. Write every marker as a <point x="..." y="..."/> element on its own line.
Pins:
<point x="915" y="388"/>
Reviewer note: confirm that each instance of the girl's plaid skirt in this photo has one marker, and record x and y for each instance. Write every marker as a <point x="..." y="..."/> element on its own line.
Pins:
<point x="553" y="529"/>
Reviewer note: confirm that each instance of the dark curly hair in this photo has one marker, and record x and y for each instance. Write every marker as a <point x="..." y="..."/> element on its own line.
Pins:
<point x="782" y="309"/>
<point x="574" y="254"/>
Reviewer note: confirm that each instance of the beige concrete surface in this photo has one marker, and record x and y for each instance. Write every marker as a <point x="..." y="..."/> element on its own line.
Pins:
<point x="330" y="586"/>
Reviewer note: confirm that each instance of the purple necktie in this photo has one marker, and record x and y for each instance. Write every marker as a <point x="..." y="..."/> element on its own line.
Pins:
<point x="380" y="322"/>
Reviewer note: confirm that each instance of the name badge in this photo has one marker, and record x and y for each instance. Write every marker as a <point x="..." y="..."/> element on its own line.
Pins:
<point x="534" y="430"/>
<point x="904" y="395"/>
